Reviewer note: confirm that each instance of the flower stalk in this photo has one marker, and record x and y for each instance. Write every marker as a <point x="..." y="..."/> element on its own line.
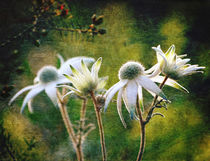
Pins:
<point x="142" y="131"/>
<point x="143" y="122"/>
<point x="69" y="127"/>
<point x="81" y="126"/>
<point x="100" y="126"/>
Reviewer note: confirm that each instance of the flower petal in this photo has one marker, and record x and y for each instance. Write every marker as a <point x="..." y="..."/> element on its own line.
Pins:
<point x="85" y="69"/>
<point x="112" y="92"/>
<point x="169" y="82"/>
<point x="158" y="50"/>
<point x="95" y="68"/>
<point x="153" y="94"/>
<point x="50" y="90"/>
<point x="155" y="72"/>
<point x="110" y="89"/>
<point x="71" y="88"/>
<point x="102" y="83"/>
<point x="36" y="80"/>
<point x="181" y="62"/>
<point x="150" y="70"/>
<point x="77" y="74"/>
<point x="140" y="96"/>
<point x="76" y="63"/>
<point x="61" y="59"/>
<point x="63" y="80"/>
<point x="161" y="57"/>
<point x="181" y="56"/>
<point x="170" y="52"/>
<point x="68" y="93"/>
<point x="30" y="107"/>
<point x="148" y="84"/>
<point x="73" y="80"/>
<point x="130" y="97"/>
<point x="21" y="91"/>
<point x="192" y="68"/>
<point x="119" y="107"/>
<point x="36" y="90"/>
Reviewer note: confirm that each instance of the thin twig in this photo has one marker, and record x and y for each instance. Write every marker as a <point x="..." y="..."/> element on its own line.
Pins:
<point x="88" y="131"/>
<point x="100" y="126"/>
<point x="69" y="125"/>
<point x="153" y="105"/>
<point x="157" y="114"/>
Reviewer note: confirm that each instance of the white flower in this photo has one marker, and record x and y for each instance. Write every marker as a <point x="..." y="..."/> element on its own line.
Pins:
<point x="86" y="81"/>
<point x="172" y="65"/>
<point x="132" y="79"/>
<point x="47" y="79"/>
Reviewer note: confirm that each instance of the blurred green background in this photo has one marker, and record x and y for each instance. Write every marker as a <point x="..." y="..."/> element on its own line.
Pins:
<point x="133" y="27"/>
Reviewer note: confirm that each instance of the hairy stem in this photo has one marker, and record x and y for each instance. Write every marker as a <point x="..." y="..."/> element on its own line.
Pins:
<point x="152" y="107"/>
<point x="69" y="127"/>
<point x="100" y="126"/>
<point x="81" y="126"/>
<point x="143" y="122"/>
<point x="142" y="131"/>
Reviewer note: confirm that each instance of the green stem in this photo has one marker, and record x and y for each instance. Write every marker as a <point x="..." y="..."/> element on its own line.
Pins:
<point x="100" y="126"/>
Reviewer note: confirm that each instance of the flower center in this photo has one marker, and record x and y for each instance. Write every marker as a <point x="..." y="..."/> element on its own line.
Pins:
<point x="130" y="70"/>
<point x="48" y="74"/>
<point x="88" y="87"/>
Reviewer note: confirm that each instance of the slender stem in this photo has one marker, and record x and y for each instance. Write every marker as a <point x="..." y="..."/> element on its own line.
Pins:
<point x="69" y="126"/>
<point x="142" y="131"/>
<point x="100" y="126"/>
<point x="143" y="122"/>
<point x="81" y="126"/>
<point x="84" y="31"/>
<point x="152" y="107"/>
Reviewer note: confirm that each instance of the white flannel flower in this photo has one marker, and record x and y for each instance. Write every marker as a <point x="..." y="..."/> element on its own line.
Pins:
<point x="173" y="65"/>
<point x="132" y="79"/>
<point x="86" y="81"/>
<point x="47" y="79"/>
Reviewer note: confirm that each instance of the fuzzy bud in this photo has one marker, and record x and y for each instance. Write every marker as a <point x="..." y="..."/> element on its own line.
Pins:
<point x="130" y="70"/>
<point x="48" y="74"/>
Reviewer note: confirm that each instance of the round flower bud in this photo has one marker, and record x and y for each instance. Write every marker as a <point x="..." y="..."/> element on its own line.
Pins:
<point x="130" y="70"/>
<point x="100" y="101"/>
<point x="48" y="74"/>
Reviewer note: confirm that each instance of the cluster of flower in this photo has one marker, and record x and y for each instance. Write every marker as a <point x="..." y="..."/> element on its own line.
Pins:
<point x="84" y="82"/>
<point x="132" y="75"/>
